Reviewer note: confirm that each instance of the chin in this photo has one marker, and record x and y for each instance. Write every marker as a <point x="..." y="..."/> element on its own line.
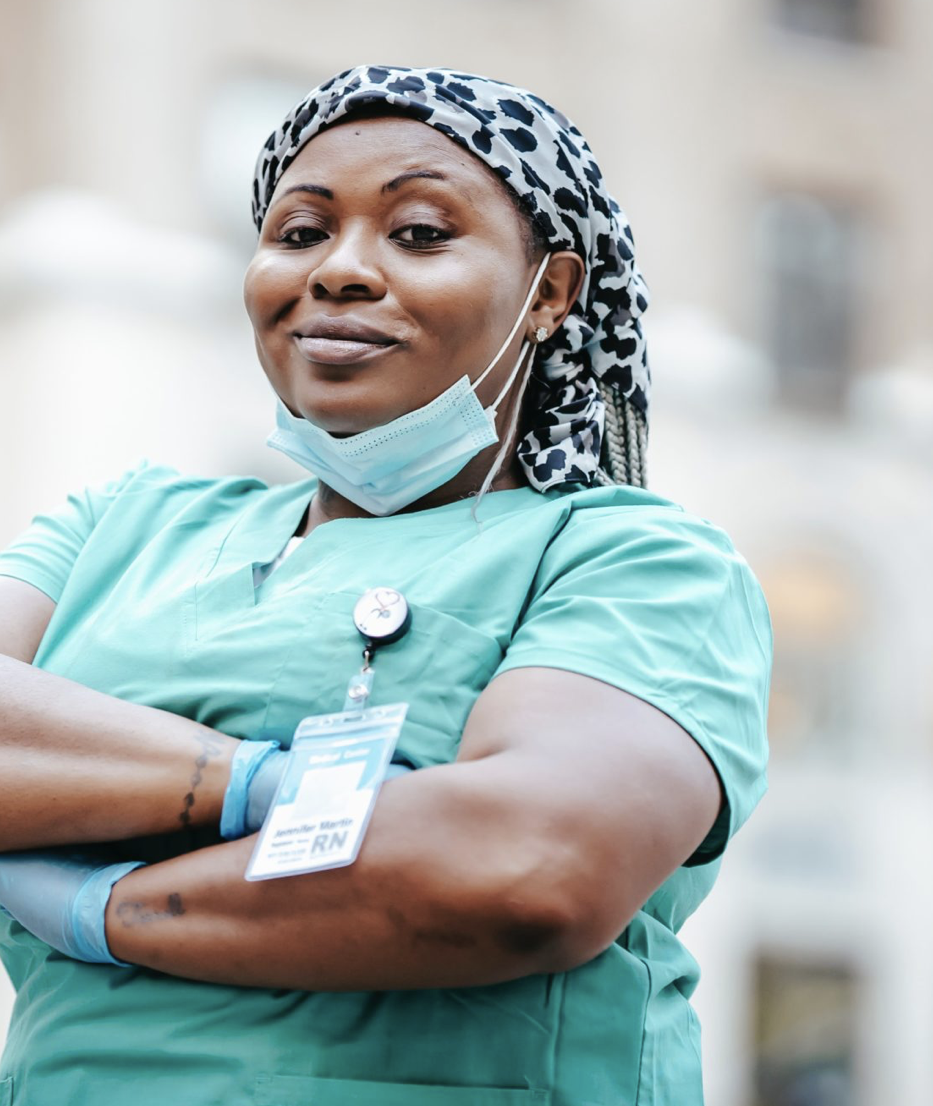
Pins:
<point x="345" y="405"/>
<point x="340" y="418"/>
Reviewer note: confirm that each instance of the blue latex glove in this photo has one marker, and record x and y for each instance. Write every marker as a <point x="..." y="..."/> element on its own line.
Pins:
<point x="255" y="773"/>
<point x="61" y="897"/>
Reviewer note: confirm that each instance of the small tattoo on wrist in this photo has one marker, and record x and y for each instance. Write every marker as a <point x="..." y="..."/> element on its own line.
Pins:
<point x="212" y="746"/>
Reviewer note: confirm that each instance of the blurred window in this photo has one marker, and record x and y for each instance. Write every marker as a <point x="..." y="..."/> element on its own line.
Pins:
<point x="810" y="252"/>
<point x="844" y="20"/>
<point x="806" y="1029"/>
<point x="816" y="610"/>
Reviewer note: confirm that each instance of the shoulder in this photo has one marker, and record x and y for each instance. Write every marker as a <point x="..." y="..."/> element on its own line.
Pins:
<point x="158" y="492"/>
<point x="163" y="481"/>
<point x="628" y="545"/>
<point x="625" y="523"/>
<point x="150" y="500"/>
<point x="113" y="519"/>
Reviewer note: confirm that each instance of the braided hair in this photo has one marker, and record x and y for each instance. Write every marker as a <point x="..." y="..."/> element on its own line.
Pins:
<point x="625" y="441"/>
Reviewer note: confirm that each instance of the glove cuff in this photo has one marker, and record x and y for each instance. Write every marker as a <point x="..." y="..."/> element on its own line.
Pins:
<point x="89" y="913"/>
<point x="246" y="763"/>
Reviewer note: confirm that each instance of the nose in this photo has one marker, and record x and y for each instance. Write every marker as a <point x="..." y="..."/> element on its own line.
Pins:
<point x="348" y="267"/>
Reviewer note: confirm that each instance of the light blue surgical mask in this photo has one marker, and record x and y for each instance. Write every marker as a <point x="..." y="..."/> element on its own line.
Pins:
<point x="384" y="469"/>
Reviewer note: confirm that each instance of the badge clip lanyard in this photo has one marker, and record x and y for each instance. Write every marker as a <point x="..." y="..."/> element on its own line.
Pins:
<point x="381" y="616"/>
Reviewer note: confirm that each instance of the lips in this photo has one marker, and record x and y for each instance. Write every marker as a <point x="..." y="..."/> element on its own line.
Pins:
<point x="342" y="341"/>
<point x="344" y="328"/>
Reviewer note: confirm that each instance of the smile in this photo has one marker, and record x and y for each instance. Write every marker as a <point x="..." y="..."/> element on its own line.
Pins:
<point x="340" y="351"/>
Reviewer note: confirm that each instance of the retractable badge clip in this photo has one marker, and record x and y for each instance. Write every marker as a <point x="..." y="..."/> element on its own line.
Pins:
<point x="381" y="616"/>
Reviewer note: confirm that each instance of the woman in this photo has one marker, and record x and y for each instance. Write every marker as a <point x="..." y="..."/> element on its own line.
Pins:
<point x="444" y="297"/>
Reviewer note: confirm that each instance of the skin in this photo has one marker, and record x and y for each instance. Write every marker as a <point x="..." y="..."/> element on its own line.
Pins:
<point x="540" y="850"/>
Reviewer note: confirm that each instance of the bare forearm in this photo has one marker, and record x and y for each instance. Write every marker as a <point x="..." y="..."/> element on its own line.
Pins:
<point x="428" y="903"/>
<point x="80" y="766"/>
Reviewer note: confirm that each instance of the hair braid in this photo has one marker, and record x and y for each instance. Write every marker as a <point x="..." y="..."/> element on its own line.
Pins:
<point x="625" y="441"/>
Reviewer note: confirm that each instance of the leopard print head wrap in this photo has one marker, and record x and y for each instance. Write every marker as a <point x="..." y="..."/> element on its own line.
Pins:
<point x="542" y="156"/>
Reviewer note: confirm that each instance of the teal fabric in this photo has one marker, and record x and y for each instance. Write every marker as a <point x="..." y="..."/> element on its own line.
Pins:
<point x="153" y="577"/>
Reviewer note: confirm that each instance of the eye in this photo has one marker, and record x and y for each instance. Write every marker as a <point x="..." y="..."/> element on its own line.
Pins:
<point x="420" y="236"/>
<point x="299" y="237"/>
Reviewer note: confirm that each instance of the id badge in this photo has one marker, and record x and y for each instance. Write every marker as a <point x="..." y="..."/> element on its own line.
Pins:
<point x="322" y="807"/>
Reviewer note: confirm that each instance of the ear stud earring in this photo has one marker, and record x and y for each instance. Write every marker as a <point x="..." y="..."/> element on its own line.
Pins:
<point x="540" y="334"/>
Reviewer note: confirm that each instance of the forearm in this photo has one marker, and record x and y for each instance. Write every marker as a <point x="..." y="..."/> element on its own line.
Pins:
<point x="80" y="766"/>
<point x="441" y="895"/>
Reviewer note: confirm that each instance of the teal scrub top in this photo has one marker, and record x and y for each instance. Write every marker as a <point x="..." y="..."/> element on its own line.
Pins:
<point x="153" y="579"/>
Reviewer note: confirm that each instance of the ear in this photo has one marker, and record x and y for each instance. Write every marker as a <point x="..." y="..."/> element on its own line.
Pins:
<point x="559" y="287"/>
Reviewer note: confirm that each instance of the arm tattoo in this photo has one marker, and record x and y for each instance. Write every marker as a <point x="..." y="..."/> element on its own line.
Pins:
<point x="211" y="746"/>
<point x="139" y="914"/>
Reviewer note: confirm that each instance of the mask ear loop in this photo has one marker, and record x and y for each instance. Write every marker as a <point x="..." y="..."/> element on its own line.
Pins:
<point x="494" y="407"/>
<point x="507" y="437"/>
<point x="526" y="345"/>
<point x="505" y="345"/>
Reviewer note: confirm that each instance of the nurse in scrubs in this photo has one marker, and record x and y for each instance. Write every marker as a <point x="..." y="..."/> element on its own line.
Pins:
<point x="446" y="303"/>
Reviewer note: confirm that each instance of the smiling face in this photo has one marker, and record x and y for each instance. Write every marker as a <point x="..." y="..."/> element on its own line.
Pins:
<point x="390" y="263"/>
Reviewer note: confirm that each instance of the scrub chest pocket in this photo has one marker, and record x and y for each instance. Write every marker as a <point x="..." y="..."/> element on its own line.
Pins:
<point x="303" y="646"/>
<point x="439" y="668"/>
<point x="289" y="1090"/>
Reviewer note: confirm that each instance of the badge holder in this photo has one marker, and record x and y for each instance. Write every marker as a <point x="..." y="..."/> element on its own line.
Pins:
<point x="337" y="763"/>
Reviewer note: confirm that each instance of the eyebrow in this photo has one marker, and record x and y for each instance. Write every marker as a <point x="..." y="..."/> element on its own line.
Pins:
<point x="413" y="174"/>
<point x="312" y="189"/>
<point x="390" y="186"/>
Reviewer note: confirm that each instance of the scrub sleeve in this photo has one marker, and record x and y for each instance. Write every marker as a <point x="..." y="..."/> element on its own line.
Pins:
<point x="45" y="554"/>
<point x="670" y="613"/>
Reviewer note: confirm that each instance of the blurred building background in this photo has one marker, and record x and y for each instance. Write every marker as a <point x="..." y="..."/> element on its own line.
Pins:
<point x="775" y="158"/>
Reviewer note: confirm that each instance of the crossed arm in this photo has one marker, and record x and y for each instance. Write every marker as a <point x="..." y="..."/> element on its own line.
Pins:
<point x="569" y="804"/>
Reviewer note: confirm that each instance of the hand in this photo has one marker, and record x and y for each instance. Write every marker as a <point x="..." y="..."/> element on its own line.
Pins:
<point x="255" y="773"/>
<point x="60" y="897"/>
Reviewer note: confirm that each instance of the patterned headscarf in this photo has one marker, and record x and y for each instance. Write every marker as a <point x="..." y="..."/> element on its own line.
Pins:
<point x="542" y="156"/>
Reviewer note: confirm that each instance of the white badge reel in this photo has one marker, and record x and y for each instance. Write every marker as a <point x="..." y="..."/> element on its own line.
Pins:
<point x="336" y="764"/>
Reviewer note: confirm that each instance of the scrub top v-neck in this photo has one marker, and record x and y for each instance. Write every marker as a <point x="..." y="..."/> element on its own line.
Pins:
<point x="153" y="577"/>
